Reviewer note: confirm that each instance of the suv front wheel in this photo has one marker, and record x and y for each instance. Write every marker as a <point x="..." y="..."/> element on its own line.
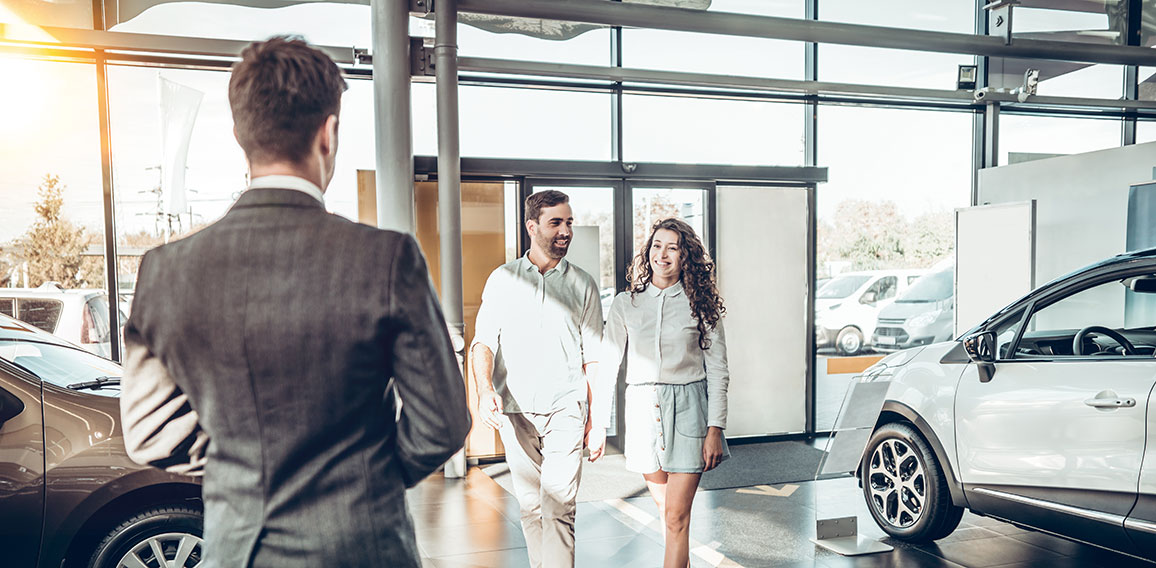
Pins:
<point x="905" y="487"/>
<point x="167" y="536"/>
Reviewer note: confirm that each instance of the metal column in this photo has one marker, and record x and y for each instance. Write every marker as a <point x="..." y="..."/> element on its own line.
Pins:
<point x="111" y="276"/>
<point x="391" y="106"/>
<point x="450" y="187"/>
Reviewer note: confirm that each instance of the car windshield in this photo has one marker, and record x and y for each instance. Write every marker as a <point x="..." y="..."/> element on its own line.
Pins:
<point x="931" y="288"/>
<point x="59" y="365"/>
<point x="841" y="286"/>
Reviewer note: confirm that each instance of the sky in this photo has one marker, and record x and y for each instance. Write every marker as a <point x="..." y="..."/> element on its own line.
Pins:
<point x="919" y="159"/>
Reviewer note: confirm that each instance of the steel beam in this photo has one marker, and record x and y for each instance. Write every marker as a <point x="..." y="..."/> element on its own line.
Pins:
<point x="638" y="15"/>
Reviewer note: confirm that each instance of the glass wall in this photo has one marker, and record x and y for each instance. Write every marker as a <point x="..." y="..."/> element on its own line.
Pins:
<point x="1023" y="138"/>
<point x="51" y="201"/>
<point x="885" y="220"/>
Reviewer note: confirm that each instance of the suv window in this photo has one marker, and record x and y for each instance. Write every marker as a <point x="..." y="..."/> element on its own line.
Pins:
<point x="8" y="307"/>
<point x="42" y="313"/>
<point x="1005" y="333"/>
<point x="59" y="365"/>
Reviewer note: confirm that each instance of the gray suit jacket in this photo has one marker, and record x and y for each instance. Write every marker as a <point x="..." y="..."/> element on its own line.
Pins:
<point x="260" y="349"/>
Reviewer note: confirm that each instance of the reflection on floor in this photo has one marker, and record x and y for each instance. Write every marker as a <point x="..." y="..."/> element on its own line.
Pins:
<point x="473" y="522"/>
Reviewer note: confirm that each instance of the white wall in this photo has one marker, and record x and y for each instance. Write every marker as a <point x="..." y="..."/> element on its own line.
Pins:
<point x="762" y="271"/>
<point x="1081" y="203"/>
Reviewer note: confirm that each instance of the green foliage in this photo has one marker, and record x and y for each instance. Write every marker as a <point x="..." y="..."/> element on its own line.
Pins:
<point x="53" y="245"/>
<point x="870" y="235"/>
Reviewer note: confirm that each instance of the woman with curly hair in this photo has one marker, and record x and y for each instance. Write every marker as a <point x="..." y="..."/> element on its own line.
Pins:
<point x="670" y="319"/>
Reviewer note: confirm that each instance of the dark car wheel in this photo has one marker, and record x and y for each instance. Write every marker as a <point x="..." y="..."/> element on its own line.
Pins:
<point x="161" y="537"/>
<point x="849" y="341"/>
<point x="905" y="487"/>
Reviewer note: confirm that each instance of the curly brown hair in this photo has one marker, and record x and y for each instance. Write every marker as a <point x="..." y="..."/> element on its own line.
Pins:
<point x="697" y="276"/>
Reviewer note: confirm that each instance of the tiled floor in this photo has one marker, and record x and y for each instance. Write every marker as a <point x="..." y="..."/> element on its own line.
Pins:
<point x="473" y="522"/>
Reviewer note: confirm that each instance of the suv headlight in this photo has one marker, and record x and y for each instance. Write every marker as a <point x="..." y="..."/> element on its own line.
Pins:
<point x="887" y="365"/>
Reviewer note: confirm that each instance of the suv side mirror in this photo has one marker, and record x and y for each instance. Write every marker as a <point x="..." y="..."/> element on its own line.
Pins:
<point x="868" y="297"/>
<point x="10" y="406"/>
<point x="980" y="348"/>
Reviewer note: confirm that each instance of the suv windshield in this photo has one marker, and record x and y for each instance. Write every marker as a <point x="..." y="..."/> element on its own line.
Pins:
<point x="931" y="288"/>
<point x="841" y="286"/>
<point x="59" y="365"/>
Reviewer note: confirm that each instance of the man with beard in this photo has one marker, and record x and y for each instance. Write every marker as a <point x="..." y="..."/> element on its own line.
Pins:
<point x="535" y="349"/>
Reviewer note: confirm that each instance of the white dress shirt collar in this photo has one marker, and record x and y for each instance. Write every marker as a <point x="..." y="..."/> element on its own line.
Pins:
<point x="288" y="182"/>
<point x="670" y="291"/>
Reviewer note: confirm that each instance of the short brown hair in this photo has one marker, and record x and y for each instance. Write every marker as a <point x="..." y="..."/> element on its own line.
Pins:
<point x="547" y="198"/>
<point x="280" y="93"/>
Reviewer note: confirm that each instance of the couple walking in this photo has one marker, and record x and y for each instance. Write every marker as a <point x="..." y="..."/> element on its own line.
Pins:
<point x="546" y="372"/>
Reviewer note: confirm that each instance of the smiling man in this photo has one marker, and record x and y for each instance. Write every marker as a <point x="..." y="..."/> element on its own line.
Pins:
<point x="534" y="351"/>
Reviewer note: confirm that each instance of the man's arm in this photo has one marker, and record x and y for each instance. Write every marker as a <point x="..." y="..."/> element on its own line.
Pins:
<point x="481" y="365"/>
<point x="160" y="427"/>
<point x="435" y="417"/>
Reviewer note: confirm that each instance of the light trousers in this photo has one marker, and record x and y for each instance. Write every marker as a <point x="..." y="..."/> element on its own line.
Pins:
<point x="544" y="453"/>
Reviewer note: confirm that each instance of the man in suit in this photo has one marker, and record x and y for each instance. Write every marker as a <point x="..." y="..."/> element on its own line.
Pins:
<point x="266" y="349"/>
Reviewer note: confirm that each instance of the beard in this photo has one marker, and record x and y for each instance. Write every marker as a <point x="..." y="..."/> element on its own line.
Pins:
<point x="554" y="248"/>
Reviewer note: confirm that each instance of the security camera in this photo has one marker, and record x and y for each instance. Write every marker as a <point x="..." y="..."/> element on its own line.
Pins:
<point x="629" y="168"/>
<point x="981" y="94"/>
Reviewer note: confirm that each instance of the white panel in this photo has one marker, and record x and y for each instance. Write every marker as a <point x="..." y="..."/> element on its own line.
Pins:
<point x="994" y="249"/>
<point x="762" y="271"/>
<point x="1082" y="202"/>
<point x="583" y="251"/>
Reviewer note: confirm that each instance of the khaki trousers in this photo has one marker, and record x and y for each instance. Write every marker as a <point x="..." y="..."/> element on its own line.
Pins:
<point x="544" y="453"/>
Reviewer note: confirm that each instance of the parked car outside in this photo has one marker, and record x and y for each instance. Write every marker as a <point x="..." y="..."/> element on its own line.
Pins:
<point x="1040" y="415"/>
<point x="78" y="316"/>
<point x="922" y="315"/>
<point x="847" y="307"/>
<point x="69" y="495"/>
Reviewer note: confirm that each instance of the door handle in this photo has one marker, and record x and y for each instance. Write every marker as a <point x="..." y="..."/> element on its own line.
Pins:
<point x="1111" y="402"/>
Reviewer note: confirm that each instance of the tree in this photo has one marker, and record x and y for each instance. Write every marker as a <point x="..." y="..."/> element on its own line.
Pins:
<point x="868" y="235"/>
<point x="53" y="245"/>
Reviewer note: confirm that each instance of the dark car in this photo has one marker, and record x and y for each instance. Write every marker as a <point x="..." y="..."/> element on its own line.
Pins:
<point x="69" y="495"/>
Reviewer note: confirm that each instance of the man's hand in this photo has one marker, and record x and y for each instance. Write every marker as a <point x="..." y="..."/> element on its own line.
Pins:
<point x="489" y="408"/>
<point x="712" y="448"/>
<point x="595" y="441"/>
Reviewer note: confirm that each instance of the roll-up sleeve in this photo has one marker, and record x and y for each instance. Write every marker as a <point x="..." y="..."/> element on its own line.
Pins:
<point x="591" y="326"/>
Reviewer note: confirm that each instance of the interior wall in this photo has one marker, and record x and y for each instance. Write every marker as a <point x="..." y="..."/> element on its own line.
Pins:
<point x="764" y="280"/>
<point x="1081" y="203"/>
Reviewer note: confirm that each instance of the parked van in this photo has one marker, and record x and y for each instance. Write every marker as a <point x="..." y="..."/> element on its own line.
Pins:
<point x="922" y="315"/>
<point x="847" y="307"/>
<point x="76" y="316"/>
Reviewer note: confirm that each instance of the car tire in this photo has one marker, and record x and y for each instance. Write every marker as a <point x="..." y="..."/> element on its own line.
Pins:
<point x="175" y="530"/>
<point x="849" y="341"/>
<point x="905" y="487"/>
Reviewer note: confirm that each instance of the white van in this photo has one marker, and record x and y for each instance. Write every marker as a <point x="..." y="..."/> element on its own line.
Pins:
<point x="77" y="316"/>
<point x="847" y="306"/>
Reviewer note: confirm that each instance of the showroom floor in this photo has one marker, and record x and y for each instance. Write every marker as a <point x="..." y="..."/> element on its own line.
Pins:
<point x="473" y="522"/>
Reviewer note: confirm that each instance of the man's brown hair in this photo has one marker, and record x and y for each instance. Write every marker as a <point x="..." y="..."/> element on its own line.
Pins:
<point x="547" y="198"/>
<point x="281" y="92"/>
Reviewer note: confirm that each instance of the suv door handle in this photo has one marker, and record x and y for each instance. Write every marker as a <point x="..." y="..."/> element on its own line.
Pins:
<point x="1111" y="402"/>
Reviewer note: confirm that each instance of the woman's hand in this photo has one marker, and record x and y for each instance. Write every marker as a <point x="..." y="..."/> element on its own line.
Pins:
<point x="712" y="448"/>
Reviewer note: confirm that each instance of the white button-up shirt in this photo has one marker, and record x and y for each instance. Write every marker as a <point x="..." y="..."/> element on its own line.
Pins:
<point x="661" y="333"/>
<point x="288" y="182"/>
<point x="542" y="329"/>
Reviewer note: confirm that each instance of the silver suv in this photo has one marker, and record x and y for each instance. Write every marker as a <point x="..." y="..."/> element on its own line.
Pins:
<point x="1041" y="415"/>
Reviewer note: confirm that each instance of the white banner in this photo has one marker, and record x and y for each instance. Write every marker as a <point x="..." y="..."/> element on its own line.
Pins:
<point x="179" y="105"/>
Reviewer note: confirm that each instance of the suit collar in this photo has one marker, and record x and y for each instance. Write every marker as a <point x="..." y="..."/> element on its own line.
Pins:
<point x="270" y="197"/>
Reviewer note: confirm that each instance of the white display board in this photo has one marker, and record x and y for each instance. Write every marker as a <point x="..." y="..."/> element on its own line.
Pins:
<point x="763" y="278"/>
<point x="994" y="259"/>
<point x="584" y="250"/>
